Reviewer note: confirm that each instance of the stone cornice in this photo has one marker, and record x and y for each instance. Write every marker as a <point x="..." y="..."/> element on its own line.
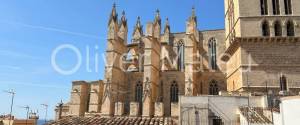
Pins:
<point x="238" y="40"/>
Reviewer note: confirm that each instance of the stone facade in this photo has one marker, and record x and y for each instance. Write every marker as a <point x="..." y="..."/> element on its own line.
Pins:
<point x="146" y="76"/>
<point x="259" y="60"/>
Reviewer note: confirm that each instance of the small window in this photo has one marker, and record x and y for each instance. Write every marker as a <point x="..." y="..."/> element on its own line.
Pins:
<point x="277" y="29"/>
<point x="265" y="29"/>
<point x="276" y="7"/>
<point x="288" y="7"/>
<point x="264" y="7"/>
<point x="290" y="28"/>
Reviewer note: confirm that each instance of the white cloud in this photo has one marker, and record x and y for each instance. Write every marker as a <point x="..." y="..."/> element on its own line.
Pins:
<point x="16" y="54"/>
<point x="53" y="29"/>
<point x="10" y="67"/>
<point x="44" y="85"/>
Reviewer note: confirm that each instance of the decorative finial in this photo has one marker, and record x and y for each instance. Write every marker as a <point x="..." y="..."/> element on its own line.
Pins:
<point x="157" y="13"/>
<point x="123" y="13"/>
<point x="138" y="19"/>
<point x="167" y="26"/>
<point x="157" y="17"/>
<point x="114" y="5"/>
<point x="138" y="22"/>
<point x="193" y="11"/>
<point x="123" y="18"/>
<point x="167" y="21"/>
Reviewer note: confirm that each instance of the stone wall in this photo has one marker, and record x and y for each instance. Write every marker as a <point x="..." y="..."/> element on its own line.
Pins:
<point x="266" y="60"/>
<point x="96" y="96"/>
<point x="202" y="109"/>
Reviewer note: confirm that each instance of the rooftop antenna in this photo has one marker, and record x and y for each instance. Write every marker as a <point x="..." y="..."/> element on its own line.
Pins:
<point x="46" y="112"/>
<point x="27" y="112"/>
<point x="248" y="87"/>
<point x="13" y="93"/>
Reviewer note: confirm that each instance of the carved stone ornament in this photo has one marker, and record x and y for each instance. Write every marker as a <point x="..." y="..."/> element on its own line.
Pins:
<point x="147" y="90"/>
<point x="107" y="93"/>
<point x="189" y="88"/>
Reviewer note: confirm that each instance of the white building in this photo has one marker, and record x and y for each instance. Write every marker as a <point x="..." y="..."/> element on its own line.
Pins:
<point x="289" y="111"/>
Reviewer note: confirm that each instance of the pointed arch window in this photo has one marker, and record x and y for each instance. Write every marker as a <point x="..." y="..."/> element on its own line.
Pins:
<point x="180" y="56"/>
<point x="213" y="88"/>
<point x="174" y="92"/>
<point x="290" y="28"/>
<point x="139" y="92"/>
<point x="212" y="47"/>
<point x="265" y="29"/>
<point x="277" y="29"/>
<point x="283" y="83"/>
<point x="264" y="7"/>
<point x="288" y="7"/>
<point x="276" y="7"/>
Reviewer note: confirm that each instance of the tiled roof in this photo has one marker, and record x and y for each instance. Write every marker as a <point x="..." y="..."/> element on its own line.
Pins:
<point x="98" y="120"/>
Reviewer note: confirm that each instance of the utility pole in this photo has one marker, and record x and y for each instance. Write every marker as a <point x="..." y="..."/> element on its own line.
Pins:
<point x="248" y="87"/>
<point x="27" y="111"/>
<point x="60" y="106"/>
<point x="46" y="112"/>
<point x="12" y="92"/>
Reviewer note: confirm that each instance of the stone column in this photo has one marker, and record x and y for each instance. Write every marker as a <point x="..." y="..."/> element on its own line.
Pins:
<point x="119" y="108"/>
<point x="284" y="30"/>
<point x="159" y="109"/>
<point x="271" y="26"/>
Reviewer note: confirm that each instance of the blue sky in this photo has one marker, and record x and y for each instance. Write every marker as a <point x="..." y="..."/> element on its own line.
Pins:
<point x="30" y="30"/>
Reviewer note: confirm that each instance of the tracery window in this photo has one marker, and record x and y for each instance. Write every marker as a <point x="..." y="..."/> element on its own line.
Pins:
<point x="180" y="56"/>
<point x="139" y="92"/>
<point x="213" y="88"/>
<point x="212" y="46"/>
<point x="174" y="92"/>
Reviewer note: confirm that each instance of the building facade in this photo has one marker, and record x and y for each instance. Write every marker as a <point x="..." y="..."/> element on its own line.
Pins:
<point x="258" y="52"/>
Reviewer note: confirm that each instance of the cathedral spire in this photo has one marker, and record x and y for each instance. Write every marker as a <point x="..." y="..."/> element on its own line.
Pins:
<point x="113" y="15"/>
<point x="123" y="29"/>
<point x="193" y="17"/>
<point x="138" y="31"/>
